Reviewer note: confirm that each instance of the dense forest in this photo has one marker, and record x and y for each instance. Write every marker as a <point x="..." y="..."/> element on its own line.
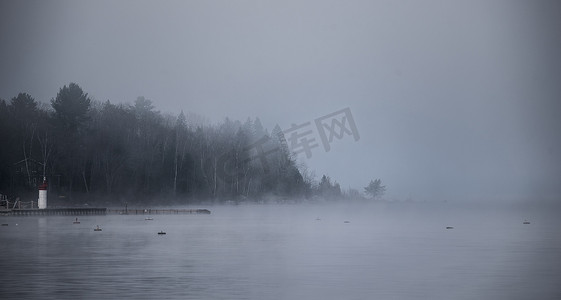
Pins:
<point x="89" y="150"/>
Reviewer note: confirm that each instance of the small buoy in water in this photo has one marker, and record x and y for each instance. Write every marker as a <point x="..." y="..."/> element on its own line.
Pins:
<point x="449" y="227"/>
<point x="161" y="232"/>
<point x="97" y="228"/>
<point x="526" y="222"/>
<point x="76" y="222"/>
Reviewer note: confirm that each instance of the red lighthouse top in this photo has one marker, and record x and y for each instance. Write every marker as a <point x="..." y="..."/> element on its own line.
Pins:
<point x="43" y="186"/>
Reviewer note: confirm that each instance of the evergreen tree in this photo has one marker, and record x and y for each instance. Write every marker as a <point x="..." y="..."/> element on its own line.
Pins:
<point x="375" y="189"/>
<point x="71" y="106"/>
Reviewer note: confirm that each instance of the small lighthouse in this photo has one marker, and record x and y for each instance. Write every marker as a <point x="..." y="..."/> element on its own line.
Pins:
<point x="42" y="202"/>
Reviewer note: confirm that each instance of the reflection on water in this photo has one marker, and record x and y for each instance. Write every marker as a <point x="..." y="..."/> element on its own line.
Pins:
<point x="284" y="252"/>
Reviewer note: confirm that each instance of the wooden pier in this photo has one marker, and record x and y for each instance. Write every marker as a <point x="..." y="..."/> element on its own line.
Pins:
<point x="98" y="211"/>
<point x="162" y="211"/>
<point x="54" y="212"/>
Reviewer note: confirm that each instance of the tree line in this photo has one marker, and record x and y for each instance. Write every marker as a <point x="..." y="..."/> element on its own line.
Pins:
<point x="101" y="150"/>
<point x="84" y="147"/>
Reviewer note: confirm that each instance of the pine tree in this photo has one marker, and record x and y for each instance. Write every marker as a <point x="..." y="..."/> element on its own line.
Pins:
<point x="375" y="189"/>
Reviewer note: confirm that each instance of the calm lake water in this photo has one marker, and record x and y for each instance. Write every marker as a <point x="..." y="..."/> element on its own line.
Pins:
<point x="287" y="252"/>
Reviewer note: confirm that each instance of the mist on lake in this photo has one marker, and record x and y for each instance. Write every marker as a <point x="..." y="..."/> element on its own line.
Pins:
<point x="384" y="251"/>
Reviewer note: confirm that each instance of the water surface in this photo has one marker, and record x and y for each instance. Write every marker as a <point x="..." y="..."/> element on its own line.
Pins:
<point x="286" y="252"/>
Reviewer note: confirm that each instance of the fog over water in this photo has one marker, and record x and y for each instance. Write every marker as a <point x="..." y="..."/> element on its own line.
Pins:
<point x="454" y="105"/>
<point x="397" y="251"/>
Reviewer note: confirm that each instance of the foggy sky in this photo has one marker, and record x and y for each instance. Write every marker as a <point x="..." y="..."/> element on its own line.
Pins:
<point x="453" y="100"/>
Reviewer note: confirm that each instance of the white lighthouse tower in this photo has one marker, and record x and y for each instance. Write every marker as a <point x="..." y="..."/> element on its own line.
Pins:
<point x="42" y="202"/>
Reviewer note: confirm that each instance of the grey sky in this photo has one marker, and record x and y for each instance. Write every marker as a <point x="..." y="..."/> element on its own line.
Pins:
<point x="453" y="99"/>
